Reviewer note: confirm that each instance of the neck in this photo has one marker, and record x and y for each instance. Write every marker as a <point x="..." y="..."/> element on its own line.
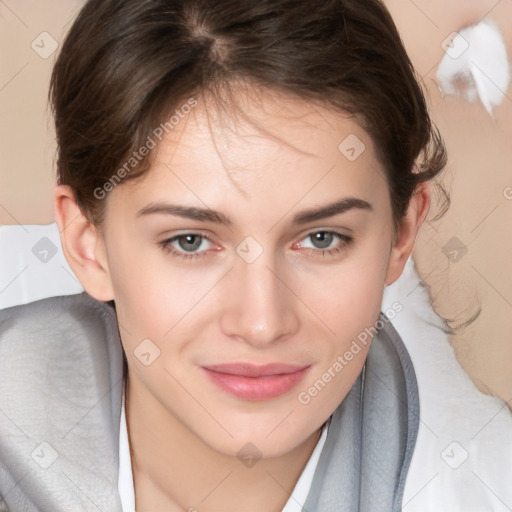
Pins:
<point x="175" y="470"/>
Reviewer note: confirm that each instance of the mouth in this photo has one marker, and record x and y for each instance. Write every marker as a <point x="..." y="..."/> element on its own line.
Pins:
<point x="256" y="382"/>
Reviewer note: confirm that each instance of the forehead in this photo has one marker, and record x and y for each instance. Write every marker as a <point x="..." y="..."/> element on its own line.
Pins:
<point x="257" y="129"/>
<point x="268" y="147"/>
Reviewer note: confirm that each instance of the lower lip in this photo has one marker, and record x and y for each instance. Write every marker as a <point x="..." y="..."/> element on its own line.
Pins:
<point x="257" y="388"/>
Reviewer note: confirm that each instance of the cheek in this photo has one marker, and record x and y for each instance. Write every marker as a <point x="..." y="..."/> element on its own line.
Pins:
<point x="348" y="301"/>
<point x="148" y="298"/>
<point x="142" y="277"/>
<point x="348" y="297"/>
<point x="349" y="304"/>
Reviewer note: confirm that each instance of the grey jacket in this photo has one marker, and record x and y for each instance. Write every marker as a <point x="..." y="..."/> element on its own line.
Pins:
<point x="61" y="375"/>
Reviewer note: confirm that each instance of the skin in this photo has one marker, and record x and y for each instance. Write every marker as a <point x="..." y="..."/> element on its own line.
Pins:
<point x="291" y="304"/>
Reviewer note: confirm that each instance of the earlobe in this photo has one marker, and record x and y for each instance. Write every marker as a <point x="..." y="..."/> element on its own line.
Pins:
<point x="406" y="235"/>
<point x="83" y="245"/>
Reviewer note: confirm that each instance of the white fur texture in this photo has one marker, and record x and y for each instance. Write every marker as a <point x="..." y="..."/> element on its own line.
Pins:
<point x="476" y="65"/>
<point x="456" y="420"/>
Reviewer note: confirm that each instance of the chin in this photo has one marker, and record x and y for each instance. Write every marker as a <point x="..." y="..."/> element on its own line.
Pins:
<point x="270" y="437"/>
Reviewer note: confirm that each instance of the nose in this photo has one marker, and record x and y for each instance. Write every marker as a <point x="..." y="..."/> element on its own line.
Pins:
<point x="260" y="307"/>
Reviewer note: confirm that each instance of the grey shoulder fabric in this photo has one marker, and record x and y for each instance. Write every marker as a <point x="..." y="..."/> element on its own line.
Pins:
<point x="61" y="374"/>
<point x="61" y="370"/>
<point x="371" y="438"/>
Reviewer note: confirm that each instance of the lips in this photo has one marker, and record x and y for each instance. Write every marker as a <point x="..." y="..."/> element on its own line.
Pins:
<point x="256" y="382"/>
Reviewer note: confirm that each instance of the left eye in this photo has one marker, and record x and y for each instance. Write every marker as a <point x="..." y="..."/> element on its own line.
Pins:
<point x="321" y="243"/>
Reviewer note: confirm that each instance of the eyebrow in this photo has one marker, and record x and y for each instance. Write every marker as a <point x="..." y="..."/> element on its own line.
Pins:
<point x="208" y="215"/>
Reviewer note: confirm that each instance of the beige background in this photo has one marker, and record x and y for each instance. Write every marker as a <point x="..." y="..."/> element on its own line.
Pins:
<point x="26" y="138"/>
<point x="478" y="174"/>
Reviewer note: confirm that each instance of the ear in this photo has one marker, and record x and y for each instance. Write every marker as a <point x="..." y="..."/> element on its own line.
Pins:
<point x="403" y="243"/>
<point x="83" y="245"/>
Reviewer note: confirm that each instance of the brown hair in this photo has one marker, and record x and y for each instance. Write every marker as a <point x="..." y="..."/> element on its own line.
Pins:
<point x="126" y="64"/>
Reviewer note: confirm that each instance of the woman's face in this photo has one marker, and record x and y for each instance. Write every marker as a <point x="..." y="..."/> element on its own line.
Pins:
<point x="239" y="278"/>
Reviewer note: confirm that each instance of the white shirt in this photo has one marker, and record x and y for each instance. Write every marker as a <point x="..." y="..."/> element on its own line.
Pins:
<point x="125" y="482"/>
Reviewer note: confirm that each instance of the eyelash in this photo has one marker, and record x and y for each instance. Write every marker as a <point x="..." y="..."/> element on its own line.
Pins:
<point x="167" y="247"/>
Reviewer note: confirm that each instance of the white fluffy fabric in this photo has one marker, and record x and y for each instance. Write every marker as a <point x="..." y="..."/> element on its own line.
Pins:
<point x="463" y="456"/>
<point x="476" y="65"/>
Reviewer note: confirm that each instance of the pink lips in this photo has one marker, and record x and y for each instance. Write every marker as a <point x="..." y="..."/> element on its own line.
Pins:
<point x="256" y="382"/>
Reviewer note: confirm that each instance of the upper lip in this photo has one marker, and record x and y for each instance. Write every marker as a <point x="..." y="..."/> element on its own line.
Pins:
<point x="255" y="370"/>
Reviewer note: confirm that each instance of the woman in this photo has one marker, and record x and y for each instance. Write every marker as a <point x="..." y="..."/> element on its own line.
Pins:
<point x="238" y="182"/>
